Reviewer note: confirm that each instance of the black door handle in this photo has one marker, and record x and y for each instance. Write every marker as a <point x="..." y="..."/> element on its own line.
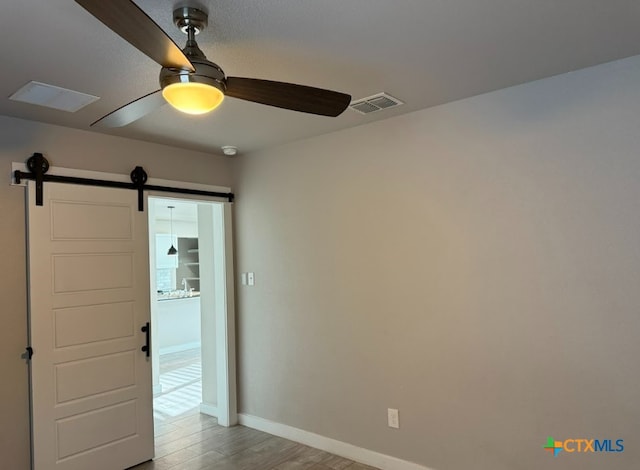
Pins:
<point x="147" y="347"/>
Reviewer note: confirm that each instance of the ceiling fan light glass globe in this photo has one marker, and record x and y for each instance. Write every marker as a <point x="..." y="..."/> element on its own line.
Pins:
<point x="192" y="98"/>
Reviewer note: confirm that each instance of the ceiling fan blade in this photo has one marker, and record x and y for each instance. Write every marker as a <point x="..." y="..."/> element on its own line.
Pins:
<point x="288" y="96"/>
<point x="127" y="20"/>
<point x="132" y="111"/>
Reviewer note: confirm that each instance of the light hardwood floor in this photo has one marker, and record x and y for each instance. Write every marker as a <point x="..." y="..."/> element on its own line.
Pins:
<point x="196" y="442"/>
<point x="193" y="441"/>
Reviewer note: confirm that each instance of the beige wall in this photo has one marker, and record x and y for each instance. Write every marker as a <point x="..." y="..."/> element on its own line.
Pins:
<point x="73" y="149"/>
<point x="476" y="265"/>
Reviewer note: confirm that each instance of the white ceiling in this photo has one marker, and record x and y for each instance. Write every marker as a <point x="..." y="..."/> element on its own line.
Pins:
<point x="424" y="52"/>
<point x="183" y="211"/>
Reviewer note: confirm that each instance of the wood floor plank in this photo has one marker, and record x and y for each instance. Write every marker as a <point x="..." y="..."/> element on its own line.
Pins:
<point x="211" y="459"/>
<point x="359" y="466"/>
<point x="336" y="463"/>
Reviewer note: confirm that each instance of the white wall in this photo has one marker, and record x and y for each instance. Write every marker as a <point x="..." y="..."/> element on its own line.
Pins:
<point x="69" y="148"/>
<point x="181" y="228"/>
<point x="476" y="265"/>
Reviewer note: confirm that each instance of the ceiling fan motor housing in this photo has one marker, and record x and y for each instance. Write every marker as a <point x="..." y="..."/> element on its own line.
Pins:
<point x="191" y="21"/>
<point x="206" y="73"/>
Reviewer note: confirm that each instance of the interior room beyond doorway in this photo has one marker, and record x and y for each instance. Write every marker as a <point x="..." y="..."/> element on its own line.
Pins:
<point x="183" y="323"/>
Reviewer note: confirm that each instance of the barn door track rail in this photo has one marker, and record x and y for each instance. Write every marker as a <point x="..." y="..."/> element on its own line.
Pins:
<point x="38" y="166"/>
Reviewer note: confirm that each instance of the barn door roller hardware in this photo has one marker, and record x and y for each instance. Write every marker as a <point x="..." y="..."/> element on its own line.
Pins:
<point x="38" y="166"/>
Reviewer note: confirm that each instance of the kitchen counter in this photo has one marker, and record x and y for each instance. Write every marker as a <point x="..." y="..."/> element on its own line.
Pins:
<point x="177" y="321"/>
<point x="178" y="296"/>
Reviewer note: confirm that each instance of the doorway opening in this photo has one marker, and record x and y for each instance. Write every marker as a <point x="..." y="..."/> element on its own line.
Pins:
<point x="189" y="298"/>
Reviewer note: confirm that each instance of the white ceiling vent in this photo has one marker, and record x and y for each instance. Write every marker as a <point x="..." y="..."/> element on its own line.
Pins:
<point x="53" y="97"/>
<point x="374" y="103"/>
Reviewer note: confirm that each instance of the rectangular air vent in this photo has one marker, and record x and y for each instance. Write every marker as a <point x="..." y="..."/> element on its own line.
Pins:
<point x="374" y="103"/>
<point x="52" y="96"/>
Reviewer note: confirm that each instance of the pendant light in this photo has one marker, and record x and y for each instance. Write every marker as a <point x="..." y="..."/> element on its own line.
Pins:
<point x="172" y="250"/>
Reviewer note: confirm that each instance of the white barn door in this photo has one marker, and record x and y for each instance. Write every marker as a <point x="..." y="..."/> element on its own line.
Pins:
<point x="89" y="298"/>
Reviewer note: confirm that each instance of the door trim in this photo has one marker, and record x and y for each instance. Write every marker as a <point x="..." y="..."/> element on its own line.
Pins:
<point x="225" y="319"/>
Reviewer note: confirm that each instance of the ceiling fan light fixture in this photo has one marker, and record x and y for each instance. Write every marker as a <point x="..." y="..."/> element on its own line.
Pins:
<point x="192" y="97"/>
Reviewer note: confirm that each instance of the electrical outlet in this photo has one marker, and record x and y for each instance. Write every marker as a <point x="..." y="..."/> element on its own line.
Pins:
<point x="393" y="418"/>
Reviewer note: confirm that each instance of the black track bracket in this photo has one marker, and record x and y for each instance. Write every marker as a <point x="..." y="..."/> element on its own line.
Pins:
<point x="38" y="166"/>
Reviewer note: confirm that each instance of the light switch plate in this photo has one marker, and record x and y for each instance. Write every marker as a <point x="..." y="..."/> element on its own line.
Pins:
<point x="393" y="419"/>
<point x="250" y="279"/>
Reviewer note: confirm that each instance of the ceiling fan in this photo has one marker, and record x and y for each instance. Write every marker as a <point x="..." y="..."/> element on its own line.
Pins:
<point x="189" y="81"/>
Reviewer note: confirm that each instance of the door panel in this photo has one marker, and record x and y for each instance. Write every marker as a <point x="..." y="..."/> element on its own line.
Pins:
<point x="93" y="429"/>
<point x="83" y="272"/>
<point x="89" y="296"/>
<point x="86" y="377"/>
<point x="90" y="323"/>
<point x="90" y="221"/>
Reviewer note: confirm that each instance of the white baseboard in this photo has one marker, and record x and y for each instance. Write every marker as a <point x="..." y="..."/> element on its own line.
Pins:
<point x="209" y="410"/>
<point x="179" y="348"/>
<point x="343" y="449"/>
